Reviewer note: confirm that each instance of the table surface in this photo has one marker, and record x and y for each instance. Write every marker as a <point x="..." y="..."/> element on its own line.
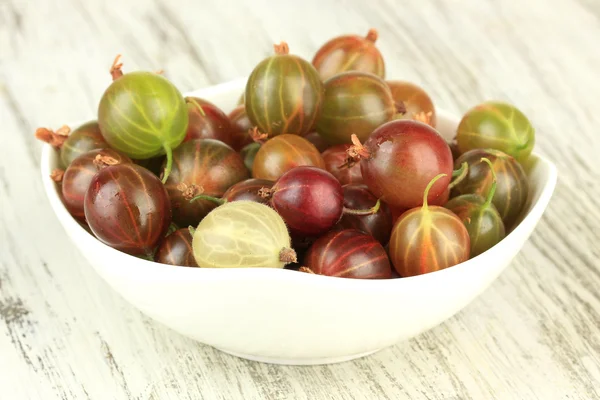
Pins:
<point x="534" y="334"/>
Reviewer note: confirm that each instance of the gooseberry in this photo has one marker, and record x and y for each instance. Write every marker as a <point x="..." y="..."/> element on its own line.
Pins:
<point x="400" y="158"/>
<point x="412" y="102"/>
<point x="79" y="174"/>
<point x="428" y="238"/>
<point x="335" y="158"/>
<point x="354" y="103"/>
<point x="201" y="166"/>
<point x="482" y="220"/>
<point x="127" y="207"/>
<point x="207" y="121"/>
<point x="142" y="115"/>
<point x="240" y="125"/>
<point x="282" y="153"/>
<point x="349" y="53"/>
<point x="496" y="125"/>
<point x="284" y="94"/>
<point x="349" y="253"/>
<point x="176" y="249"/>
<point x="512" y="185"/>
<point x="242" y="234"/>
<point x="379" y="224"/>
<point x="83" y="139"/>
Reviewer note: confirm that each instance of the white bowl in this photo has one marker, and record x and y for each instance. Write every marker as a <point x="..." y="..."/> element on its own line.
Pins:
<point x="288" y="317"/>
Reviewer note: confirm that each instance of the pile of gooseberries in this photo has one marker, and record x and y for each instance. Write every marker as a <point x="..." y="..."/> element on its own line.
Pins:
<point x="323" y="167"/>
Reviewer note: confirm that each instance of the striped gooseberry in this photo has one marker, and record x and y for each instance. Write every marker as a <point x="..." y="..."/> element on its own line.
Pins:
<point x="317" y="140"/>
<point x="512" y="185"/>
<point x="349" y="53"/>
<point x="310" y="201"/>
<point x="480" y="216"/>
<point x="176" y="249"/>
<point x="127" y="207"/>
<point x="78" y="175"/>
<point x="282" y="153"/>
<point x="428" y="238"/>
<point x="284" y="94"/>
<point x="242" y="234"/>
<point x="496" y="125"/>
<point x="143" y="115"/>
<point x="335" y="158"/>
<point x="349" y="253"/>
<point x="379" y="224"/>
<point x="412" y="102"/>
<point x="240" y="126"/>
<point x="400" y="158"/>
<point x="201" y="166"/>
<point x="354" y="103"/>
<point x="84" y="138"/>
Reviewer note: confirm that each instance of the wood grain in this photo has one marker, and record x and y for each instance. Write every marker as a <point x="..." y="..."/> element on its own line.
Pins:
<point x="535" y="334"/>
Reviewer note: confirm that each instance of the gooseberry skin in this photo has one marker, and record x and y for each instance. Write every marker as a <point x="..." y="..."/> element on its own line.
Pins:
<point x="499" y="126"/>
<point x="317" y="141"/>
<point x="241" y="234"/>
<point x="378" y="225"/>
<point x="428" y="239"/>
<point x="209" y="123"/>
<point x="143" y="115"/>
<point x="240" y="125"/>
<point x="248" y="154"/>
<point x="212" y="167"/>
<point x="354" y="103"/>
<point x="79" y="174"/>
<point x="413" y="101"/>
<point x="310" y="200"/>
<point x="248" y="190"/>
<point x="334" y="157"/>
<point x="349" y="253"/>
<point x="83" y="139"/>
<point x="176" y="249"/>
<point x="484" y="223"/>
<point x="127" y="208"/>
<point x="404" y="156"/>
<point x="512" y="185"/>
<point x="349" y="53"/>
<point x="282" y="153"/>
<point x="284" y="94"/>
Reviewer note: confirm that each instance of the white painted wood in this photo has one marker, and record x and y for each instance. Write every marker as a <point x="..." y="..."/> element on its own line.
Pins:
<point x="535" y="334"/>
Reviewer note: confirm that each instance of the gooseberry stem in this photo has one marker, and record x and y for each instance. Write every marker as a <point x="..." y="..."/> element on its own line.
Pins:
<point x="492" y="191"/>
<point x="195" y="103"/>
<point x="192" y="230"/>
<point x="459" y="175"/>
<point x="356" y="152"/>
<point x="306" y="269"/>
<point x="287" y="255"/>
<point x="209" y="198"/>
<point x="169" y="165"/>
<point x="429" y="185"/>
<point x="281" y="48"/>
<point x="372" y="35"/>
<point x="115" y="69"/>
<point x="257" y="136"/>
<point x="370" y="211"/>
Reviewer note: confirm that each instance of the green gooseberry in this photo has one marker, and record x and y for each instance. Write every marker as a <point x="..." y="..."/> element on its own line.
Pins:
<point x="480" y="217"/>
<point x="143" y="115"/>
<point x="496" y="125"/>
<point x="512" y="184"/>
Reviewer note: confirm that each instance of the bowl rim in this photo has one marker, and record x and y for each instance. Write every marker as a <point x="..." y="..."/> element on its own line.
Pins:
<point x="164" y="271"/>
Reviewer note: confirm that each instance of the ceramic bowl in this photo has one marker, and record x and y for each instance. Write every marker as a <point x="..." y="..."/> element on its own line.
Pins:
<point x="288" y="317"/>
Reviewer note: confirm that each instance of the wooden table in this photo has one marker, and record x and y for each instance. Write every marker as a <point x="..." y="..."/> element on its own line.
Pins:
<point x="535" y="334"/>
